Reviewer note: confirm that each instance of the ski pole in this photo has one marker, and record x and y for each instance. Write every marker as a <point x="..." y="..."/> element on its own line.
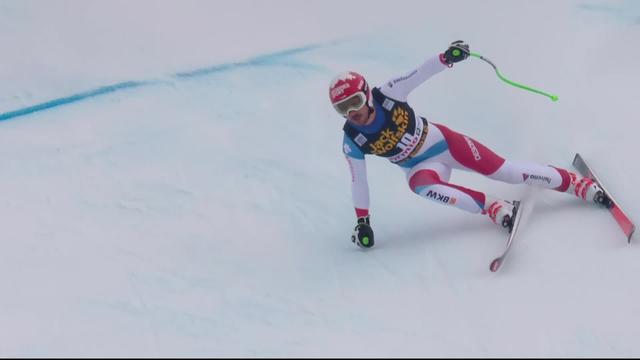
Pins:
<point x="552" y="97"/>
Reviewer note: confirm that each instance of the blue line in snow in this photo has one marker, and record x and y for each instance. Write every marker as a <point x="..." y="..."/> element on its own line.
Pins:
<point x="73" y="98"/>
<point x="268" y="59"/>
<point x="262" y="60"/>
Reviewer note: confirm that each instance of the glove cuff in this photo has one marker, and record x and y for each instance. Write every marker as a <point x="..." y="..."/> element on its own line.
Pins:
<point x="444" y="62"/>
<point x="363" y="220"/>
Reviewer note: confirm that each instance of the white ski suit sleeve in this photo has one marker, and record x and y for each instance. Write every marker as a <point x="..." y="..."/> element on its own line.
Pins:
<point x="399" y="88"/>
<point x="359" y="184"/>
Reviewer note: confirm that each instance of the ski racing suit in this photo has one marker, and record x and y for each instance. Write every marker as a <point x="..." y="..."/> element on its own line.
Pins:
<point x="428" y="151"/>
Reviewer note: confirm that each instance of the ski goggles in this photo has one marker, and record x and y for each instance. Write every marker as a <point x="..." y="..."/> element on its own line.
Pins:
<point x="354" y="102"/>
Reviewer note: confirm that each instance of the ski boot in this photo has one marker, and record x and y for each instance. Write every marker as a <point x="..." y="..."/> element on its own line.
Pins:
<point x="501" y="213"/>
<point x="586" y="189"/>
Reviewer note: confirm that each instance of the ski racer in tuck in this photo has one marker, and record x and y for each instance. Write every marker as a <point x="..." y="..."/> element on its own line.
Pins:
<point x="380" y="122"/>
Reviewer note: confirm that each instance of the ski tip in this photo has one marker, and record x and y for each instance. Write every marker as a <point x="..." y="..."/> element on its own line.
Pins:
<point x="633" y="229"/>
<point x="575" y="159"/>
<point x="495" y="265"/>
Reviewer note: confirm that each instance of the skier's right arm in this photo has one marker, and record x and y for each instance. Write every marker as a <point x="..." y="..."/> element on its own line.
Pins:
<point x="359" y="184"/>
<point x="362" y="235"/>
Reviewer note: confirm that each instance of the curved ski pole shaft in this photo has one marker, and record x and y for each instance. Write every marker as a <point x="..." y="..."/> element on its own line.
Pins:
<point x="552" y="97"/>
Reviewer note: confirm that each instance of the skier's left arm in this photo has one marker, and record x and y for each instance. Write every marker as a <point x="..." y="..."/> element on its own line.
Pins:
<point x="399" y="88"/>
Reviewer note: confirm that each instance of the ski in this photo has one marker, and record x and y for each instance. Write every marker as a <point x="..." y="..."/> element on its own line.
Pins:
<point x="619" y="215"/>
<point x="497" y="262"/>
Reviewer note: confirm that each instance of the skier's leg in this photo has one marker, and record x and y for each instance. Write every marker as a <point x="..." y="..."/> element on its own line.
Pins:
<point x="431" y="181"/>
<point x="463" y="152"/>
<point x="467" y="153"/>
<point x="549" y="177"/>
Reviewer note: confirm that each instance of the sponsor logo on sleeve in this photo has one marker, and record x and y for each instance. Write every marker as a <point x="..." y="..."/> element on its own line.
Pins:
<point x="403" y="78"/>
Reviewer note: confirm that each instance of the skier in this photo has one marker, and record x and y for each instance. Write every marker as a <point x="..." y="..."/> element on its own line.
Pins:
<point x="380" y="122"/>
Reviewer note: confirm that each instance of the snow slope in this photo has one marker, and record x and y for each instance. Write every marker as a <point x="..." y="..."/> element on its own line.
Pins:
<point x="206" y="210"/>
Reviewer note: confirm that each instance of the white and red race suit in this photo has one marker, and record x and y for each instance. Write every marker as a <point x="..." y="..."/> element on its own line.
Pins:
<point x="427" y="151"/>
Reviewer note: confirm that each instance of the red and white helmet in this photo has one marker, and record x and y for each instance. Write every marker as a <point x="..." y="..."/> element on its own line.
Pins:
<point x="349" y="91"/>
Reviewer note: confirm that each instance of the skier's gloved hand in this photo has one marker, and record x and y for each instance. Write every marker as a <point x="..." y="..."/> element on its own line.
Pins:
<point x="457" y="51"/>
<point x="363" y="234"/>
